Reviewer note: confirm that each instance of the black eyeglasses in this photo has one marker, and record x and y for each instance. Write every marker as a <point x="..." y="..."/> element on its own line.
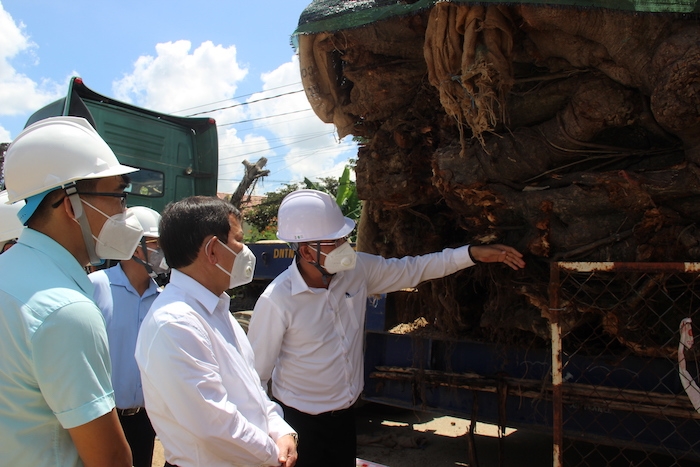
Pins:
<point x="121" y="195"/>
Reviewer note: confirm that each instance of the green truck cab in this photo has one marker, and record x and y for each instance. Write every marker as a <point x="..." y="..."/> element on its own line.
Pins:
<point x="178" y="156"/>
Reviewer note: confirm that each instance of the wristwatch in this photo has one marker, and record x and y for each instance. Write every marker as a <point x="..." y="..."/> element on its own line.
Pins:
<point x="295" y="437"/>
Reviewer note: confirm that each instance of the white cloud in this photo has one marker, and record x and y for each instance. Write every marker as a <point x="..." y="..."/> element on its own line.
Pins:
<point x="18" y="93"/>
<point x="176" y="79"/>
<point x="312" y="149"/>
<point x="12" y="37"/>
<point x="232" y="151"/>
<point x="185" y="81"/>
<point x="4" y="134"/>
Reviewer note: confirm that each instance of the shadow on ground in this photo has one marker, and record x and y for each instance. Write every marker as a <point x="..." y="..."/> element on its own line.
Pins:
<point x="405" y="438"/>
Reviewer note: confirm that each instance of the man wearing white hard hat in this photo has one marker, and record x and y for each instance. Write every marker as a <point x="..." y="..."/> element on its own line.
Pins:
<point x="56" y="398"/>
<point x="10" y="226"/>
<point x="307" y="327"/>
<point x="124" y="294"/>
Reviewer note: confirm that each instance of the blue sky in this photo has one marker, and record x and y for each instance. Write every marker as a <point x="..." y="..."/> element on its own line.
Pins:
<point x="176" y="57"/>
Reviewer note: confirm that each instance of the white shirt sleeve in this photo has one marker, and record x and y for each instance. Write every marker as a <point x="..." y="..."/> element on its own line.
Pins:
<point x="266" y="337"/>
<point x="391" y="274"/>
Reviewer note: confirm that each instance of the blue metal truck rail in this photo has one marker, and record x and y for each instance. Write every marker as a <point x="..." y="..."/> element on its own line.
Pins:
<point x="272" y="258"/>
<point x="608" y="398"/>
<point x="510" y="386"/>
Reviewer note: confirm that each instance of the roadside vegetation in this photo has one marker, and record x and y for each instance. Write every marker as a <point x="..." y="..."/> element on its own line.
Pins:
<point x="263" y="218"/>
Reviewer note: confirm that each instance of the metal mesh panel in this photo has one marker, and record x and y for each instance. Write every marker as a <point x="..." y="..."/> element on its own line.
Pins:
<point x="616" y="342"/>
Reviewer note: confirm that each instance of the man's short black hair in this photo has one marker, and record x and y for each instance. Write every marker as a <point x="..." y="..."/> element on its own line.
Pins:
<point x="185" y="224"/>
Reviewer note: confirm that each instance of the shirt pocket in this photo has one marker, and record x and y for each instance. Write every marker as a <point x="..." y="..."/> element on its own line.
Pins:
<point x="354" y="304"/>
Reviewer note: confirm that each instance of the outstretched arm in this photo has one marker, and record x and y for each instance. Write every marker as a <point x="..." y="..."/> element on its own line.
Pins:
<point x="497" y="254"/>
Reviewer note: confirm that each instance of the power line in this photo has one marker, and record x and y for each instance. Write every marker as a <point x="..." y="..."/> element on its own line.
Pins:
<point x="245" y="103"/>
<point x="281" y="138"/>
<point x="237" y="97"/>
<point x="263" y="118"/>
<point x="267" y="125"/>
<point x="267" y="149"/>
<point x="296" y="159"/>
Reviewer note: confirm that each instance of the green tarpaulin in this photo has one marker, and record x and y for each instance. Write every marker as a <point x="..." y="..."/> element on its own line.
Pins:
<point x="334" y="15"/>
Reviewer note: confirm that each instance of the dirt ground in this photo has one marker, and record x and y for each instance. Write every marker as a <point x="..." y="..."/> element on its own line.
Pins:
<point x="404" y="438"/>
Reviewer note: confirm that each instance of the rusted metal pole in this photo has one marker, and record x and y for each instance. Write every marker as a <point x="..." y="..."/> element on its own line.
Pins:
<point x="557" y="400"/>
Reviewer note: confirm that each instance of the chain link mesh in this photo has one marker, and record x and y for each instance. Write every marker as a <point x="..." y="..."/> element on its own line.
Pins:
<point x="622" y="401"/>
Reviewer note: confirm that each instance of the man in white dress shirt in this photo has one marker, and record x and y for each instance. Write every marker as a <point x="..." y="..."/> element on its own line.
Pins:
<point x="202" y="393"/>
<point x="10" y="226"/>
<point x="307" y="326"/>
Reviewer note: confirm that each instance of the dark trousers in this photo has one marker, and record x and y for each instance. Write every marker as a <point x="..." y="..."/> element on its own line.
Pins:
<point x="325" y="439"/>
<point x="140" y="436"/>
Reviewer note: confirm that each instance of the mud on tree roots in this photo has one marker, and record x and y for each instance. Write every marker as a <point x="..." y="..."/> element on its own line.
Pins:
<point x="569" y="134"/>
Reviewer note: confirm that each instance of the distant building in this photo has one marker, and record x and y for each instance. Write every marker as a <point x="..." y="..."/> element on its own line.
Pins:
<point x="248" y="203"/>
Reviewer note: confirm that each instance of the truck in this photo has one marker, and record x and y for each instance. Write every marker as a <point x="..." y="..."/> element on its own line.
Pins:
<point x="471" y="117"/>
<point x="597" y="399"/>
<point x="177" y="156"/>
<point x="600" y="405"/>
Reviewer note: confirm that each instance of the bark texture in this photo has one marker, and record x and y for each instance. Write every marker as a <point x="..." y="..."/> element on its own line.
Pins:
<point x="569" y="134"/>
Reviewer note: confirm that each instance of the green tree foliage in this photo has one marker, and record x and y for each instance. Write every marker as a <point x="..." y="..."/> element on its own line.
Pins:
<point x="346" y="197"/>
<point x="343" y="190"/>
<point x="263" y="217"/>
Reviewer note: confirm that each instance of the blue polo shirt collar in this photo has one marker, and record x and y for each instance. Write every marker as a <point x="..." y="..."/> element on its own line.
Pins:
<point x="57" y="254"/>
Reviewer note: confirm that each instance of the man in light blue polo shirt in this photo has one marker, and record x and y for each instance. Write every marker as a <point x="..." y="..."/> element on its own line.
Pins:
<point x="56" y="398"/>
<point x="124" y="293"/>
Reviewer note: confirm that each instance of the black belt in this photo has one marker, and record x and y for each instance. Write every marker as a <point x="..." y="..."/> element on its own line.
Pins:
<point x="129" y="412"/>
<point x="335" y="413"/>
<point x="332" y="413"/>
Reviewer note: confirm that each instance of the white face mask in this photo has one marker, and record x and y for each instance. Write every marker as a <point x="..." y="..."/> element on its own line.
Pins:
<point x="156" y="260"/>
<point x="243" y="265"/>
<point x="119" y="236"/>
<point x="343" y="258"/>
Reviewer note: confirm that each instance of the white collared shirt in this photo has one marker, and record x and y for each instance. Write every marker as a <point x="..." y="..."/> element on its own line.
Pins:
<point x="309" y="340"/>
<point x="202" y="393"/>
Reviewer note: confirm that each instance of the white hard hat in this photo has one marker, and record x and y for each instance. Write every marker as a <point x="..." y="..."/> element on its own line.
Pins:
<point x="54" y="152"/>
<point x="10" y="226"/>
<point x="310" y="215"/>
<point x="148" y="218"/>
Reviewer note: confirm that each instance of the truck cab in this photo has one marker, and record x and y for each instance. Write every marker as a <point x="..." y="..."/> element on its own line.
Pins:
<point x="178" y="156"/>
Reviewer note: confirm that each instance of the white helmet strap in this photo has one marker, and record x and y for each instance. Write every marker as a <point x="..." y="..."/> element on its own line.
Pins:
<point x="145" y="264"/>
<point x="80" y="216"/>
<point x="325" y="275"/>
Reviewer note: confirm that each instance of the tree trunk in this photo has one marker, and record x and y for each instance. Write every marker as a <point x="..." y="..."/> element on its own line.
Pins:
<point x="252" y="173"/>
